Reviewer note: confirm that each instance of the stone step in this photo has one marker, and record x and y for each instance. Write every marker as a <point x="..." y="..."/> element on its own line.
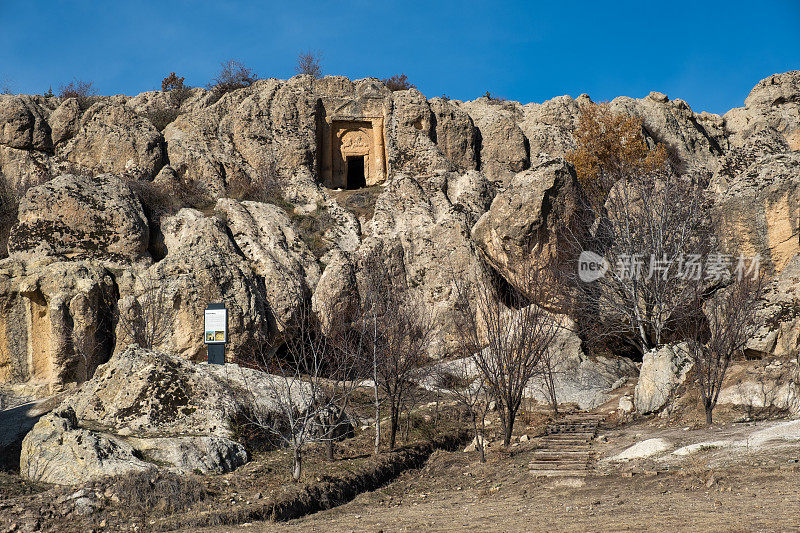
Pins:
<point x="557" y="465"/>
<point x="559" y="473"/>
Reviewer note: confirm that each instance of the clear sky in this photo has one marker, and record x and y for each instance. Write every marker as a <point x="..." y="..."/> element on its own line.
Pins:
<point x="710" y="53"/>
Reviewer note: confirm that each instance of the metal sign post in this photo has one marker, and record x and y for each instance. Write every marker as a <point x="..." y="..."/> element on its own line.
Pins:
<point x="216" y="332"/>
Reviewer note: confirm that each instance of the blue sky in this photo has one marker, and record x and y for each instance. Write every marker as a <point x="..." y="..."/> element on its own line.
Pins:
<point x="708" y="53"/>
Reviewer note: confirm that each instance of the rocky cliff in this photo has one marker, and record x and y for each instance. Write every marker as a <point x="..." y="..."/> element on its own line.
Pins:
<point x="238" y="199"/>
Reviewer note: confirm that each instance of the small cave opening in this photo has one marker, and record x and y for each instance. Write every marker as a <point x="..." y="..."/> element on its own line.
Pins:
<point x="356" y="178"/>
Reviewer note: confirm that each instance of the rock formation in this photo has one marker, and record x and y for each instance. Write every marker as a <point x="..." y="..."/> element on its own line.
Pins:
<point x="238" y="201"/>
<point x="146" y="410"/>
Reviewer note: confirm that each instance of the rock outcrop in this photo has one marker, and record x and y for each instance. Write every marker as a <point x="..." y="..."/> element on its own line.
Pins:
<point x="112" y="138"/>
<point x="81" y="217"/>
<point x="773" y="103"/>
<point x="202" y="265"/>
<point x="271" y="244"/>
<point x="533" y="220"/>
<point x="144" y="410"/>
<point x="759" y="210"/>
<point x="56" y="324"/>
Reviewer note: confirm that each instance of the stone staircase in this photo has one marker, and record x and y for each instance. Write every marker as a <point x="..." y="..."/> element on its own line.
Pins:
<point x="566" y="447"/>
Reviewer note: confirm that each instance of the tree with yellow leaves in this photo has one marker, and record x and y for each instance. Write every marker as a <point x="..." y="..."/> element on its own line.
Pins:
<point x="610" y="146"/>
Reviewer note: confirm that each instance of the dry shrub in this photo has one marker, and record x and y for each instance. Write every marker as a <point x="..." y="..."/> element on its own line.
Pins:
<point x="152" y="493"/>
<point x="232" y="75"/>
<point x="83" y="91"/>
<point x="161" y="117"/>
<point x="178" y="91"/>
<point x="398" y="82"/>
<point x="309" y="63"/>
<point x="610" y="146"/>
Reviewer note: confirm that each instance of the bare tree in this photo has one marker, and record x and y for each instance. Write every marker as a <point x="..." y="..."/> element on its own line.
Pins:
<point x="462" y="380"/>
<point x="724" y="320"/>
<point x="508" y="337"/>
<point x="651" y="235"/>
<point x="309" y="62"/>
<point x="311" y="379"/>
<point x="148" y="318"/>
<point x="398" y="331"/>
<point x="548" y="369"/>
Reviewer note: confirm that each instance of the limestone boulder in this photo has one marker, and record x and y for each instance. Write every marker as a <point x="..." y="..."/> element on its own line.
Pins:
<point x="81" y="217"/>
<point x="505" y="150"/>
<point x="57" y="450"/>
<point x="55" y="328"/>
<point x="202" y="265"/>
<point x="663" y="371"/>
<point x="65" y="120"/>
<point x="23" y="123"/>
<point x="145" y="394"/>
<point x="112" y="138"/>
<point x="533" y="219"/>
<point x="267" y="238"/>
<point x="762" y="387"/>
<point x="759" y="210"/>
<point x="773" y="103"/>
<point x="336" y="295"/>
<point x="470" y="192"/>
<point x="147" y="410"/>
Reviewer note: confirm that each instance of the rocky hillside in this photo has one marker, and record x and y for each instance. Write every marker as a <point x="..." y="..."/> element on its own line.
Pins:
<point x="227" y="202"/>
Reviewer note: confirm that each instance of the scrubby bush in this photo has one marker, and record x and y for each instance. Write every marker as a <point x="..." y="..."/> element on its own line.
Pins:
<point x="160" y="117"/>
<point x="83" y="91"/>
<point x="233" y="75"/>
<point x="148" y="494"/>
<point x="309" y="63"/>
<point x="178" y="91"/>
<point x="398" y="82"/>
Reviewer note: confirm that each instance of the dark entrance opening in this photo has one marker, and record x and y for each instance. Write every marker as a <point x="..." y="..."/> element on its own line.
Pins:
<point x="355" y="172"/>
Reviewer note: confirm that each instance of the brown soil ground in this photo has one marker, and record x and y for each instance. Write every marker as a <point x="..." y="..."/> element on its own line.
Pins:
<point x="748" y="491"/>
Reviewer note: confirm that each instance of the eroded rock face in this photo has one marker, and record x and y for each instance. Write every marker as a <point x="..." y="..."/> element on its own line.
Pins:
<point x="456" y="135"/>
<point x="424" y="238"/>
<point x="505" y="150"/>
<point x="773" y="103"/>
<point x="112" y="138"/>
<point x="267" y="129"/>
<point x="779" y="315"/>
<point x="55" y="328"/>
<point x="23" y="123"/>
<point x="202" y="265"/>
<point x="663" y="371"/>
<point x="57" y="450"/>
<point x="81" y="217"/>
<point x="269" y="241"/>
<point x="532" y="219"/>
<point x="759" y="210"/>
